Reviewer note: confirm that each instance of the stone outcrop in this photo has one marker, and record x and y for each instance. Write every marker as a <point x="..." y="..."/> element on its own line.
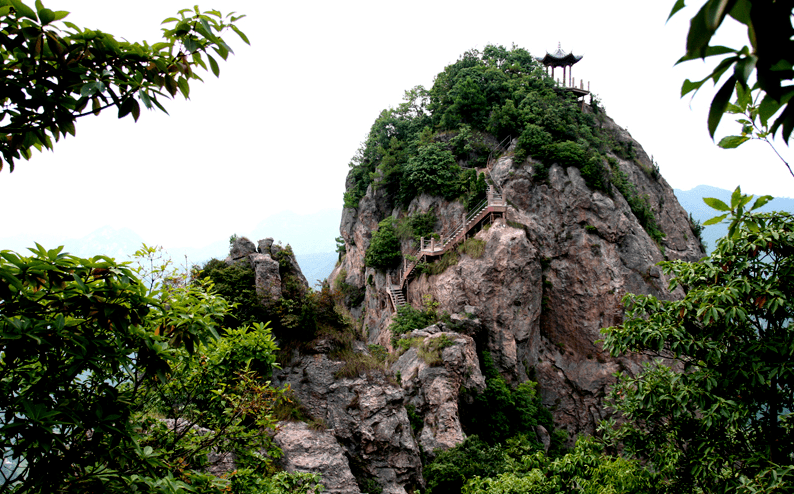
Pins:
<point x="366" y="416"/>
<point x="433" y="387"/>
<point x="277" y="272"/>
<point x="307" y="450"/>
<point x="553" y="273"/>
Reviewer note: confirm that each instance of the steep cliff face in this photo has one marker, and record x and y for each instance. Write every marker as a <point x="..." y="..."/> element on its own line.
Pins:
<point x="552" y="274"/>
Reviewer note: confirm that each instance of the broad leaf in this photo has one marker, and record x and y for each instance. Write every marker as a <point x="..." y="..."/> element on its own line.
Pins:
<point x="760" y="202"/>
<point x="719" y="103"/>
<point x="245" y="38"/>
<point x="716" y="13"/>
<point x="679" y="4"/>
<point x="717" y="204"/>
<point x="744" y="68"/>
<point x="731" y="142"/>
<point x="690" y="86"/>
<point x="23" y="10"/>
<point x="736" y="197"/>
<point x="214" y="65"/>
<point x="715" y="220"/>
<point x="699" y="35"/>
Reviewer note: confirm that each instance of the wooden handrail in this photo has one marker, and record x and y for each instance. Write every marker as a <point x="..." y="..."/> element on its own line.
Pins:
<point x="494" y="199"/>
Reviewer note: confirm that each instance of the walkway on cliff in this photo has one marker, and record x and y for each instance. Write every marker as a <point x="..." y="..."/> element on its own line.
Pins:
<point x="492" y="207"/>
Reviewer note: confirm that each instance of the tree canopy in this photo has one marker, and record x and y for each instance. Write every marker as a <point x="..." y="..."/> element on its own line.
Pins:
<point x="55" y="72"/>
<point x="769" y="57"/>
<point x="714" y="411"/>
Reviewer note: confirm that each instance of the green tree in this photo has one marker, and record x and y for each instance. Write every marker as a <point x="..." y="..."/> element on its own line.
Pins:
<point x="55" y="72"/>
<point x="722" y="414"/>
<point x="384" y="247"/>
<point x="78" y="337"/>
<point x="92" y="360"/>
<point x="769" y="56"/>
<point x="432" y="170"/>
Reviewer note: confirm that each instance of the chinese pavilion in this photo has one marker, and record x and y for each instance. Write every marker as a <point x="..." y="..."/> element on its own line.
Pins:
<point x="565" y="60"/>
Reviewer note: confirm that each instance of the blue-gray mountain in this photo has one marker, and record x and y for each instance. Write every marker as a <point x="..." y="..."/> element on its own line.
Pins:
<point x="692" y="201"/>
<point x="312" y="237"/>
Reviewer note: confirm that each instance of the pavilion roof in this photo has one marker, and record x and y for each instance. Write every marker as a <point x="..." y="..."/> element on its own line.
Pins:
<point x="559" y="58"/>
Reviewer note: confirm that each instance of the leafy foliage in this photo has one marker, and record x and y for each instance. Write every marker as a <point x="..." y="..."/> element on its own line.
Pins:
<point x="501" y="412"/>
<point x="249" y="482"/>
<point x="236" y="283"/>
<point x="585" y="469"/>
<point x="771" y="37"/>
<point x="53" y="70"/>
<point x="384" y="248"/>
<point x="415" y="226"/>
<point x="431" y="142"/>
<point x="91" y="359"/>
<point x="408" y="318"/>
<point x="727" y="415"/>
<point x="62" y="371"/>
<point x="221" y="388"/>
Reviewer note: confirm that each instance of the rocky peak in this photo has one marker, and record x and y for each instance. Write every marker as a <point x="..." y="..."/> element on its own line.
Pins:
<point x="552" y="274"/>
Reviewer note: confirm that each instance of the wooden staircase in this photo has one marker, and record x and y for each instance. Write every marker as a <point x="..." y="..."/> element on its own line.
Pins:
<point x="494" y="205"/>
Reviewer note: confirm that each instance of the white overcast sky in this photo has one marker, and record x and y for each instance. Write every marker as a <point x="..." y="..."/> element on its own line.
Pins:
<point x="277" y="130"/>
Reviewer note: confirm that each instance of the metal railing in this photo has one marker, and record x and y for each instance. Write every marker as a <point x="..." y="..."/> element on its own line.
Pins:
<point x="501" y="148"/>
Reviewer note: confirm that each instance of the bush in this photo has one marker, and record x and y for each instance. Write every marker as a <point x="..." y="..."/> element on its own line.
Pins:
<point x="246" y="481"/>
<point x="501" y="412"/>
<point x="595" y="175"/>
<point x="586" y="469"/>
<point x="472" y="247"/>
<point x="452" y="468"/>
<point x="567" y="153"/>
<point x="415" y="226"/>
<point x="236" y="283"/>
<point x="432" y="170"/>
<point x="384" y="248"/>
<point x="408" y="318"/>
<point x="531" y="142"/>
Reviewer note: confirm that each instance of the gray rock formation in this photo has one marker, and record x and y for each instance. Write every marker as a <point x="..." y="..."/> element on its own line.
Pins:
<point x="241" y="248"/>
<point x="433" y="387"/>
<point x="273" y="280"/>
<point x="307" y="450"/>
<point x="553" y="274"/>
<point x="366" y="416"/>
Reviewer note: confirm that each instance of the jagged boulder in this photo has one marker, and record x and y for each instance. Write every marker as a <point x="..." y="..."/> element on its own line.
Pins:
<point x="315" y="451"/>
<point x="240" y="249"/>
<point x="432" y="373"/>
<point x="268" y="279"/>
<point x="365" y="414"/>
<point x="278" y="274"/>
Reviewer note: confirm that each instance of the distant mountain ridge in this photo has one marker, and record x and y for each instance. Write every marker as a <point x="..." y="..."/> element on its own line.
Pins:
<point x="692" y="201"/>
<point x="311" y="236"/>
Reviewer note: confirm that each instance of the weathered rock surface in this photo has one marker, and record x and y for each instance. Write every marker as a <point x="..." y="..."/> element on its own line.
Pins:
<point x="273" y="280"/>
<point x="433" y="388"/>
<point x="307" y="450"/>
<point x="268" y="279"/>
<point x="366" y="416"/>
<point x="552" y="274"/>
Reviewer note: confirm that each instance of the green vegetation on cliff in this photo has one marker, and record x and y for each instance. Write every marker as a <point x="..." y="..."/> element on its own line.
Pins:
<point x="434" y="140"/>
